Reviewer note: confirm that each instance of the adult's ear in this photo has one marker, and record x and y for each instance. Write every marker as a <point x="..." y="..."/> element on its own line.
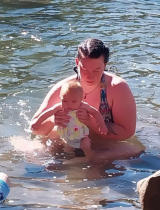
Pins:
<point x="76" y="61"/>
<point x="105" y="64"/>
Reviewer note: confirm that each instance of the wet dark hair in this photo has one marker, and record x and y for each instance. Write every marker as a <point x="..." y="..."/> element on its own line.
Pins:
<point x="93" y="48"/>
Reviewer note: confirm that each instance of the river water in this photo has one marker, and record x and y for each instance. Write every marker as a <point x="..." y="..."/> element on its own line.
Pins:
<point x="38" y="42"/>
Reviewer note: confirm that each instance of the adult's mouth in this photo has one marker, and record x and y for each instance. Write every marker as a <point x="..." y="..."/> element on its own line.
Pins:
<point x="90" y="82"/>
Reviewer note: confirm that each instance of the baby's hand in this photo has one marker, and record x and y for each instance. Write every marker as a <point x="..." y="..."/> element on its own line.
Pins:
<point x="83" y="115"/>
<point x="100" y="124"/>
<point x="87" y="107"/>
<point x="60" y="116"/>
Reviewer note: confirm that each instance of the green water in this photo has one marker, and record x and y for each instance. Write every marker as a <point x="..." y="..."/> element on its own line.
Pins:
<point x="38" y="42"/>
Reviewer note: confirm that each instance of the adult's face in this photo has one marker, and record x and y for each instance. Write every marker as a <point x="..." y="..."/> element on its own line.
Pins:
<point x="91" y="70"/>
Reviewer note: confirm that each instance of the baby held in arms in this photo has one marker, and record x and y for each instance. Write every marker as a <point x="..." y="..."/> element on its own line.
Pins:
<point x="75" y="135"/>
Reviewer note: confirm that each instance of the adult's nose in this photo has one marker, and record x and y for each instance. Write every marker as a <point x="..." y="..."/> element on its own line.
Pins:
<point x="89" y="76"/>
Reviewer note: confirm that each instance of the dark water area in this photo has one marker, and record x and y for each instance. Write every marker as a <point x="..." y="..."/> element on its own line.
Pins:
<point x="38" y="42"/>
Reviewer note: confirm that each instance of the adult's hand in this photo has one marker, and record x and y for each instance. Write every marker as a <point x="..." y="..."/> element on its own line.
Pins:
<point x="84" y="117"/>
<point x="44" y="123"/>
<point x="91" y="117"/>
<point x="61" y="118"/>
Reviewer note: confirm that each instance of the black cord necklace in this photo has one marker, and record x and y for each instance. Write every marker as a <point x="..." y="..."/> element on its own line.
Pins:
<point x="86" y="94"/>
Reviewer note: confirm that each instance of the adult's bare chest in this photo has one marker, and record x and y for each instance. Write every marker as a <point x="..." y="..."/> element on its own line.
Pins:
<point x="93" y="98"/>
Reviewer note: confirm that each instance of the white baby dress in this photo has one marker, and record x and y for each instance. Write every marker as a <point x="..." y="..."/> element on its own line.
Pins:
<point x="74" y="131"/>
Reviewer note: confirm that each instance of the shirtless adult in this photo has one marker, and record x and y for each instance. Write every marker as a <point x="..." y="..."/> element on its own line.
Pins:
<point x="107" y="93"/>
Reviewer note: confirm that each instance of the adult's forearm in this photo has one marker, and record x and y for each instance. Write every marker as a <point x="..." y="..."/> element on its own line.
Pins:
<point x="44" y="128"/>
<point x="119" y="133"/>
<point x="97" y="124"/>
<point x="36" y="122"/>
<point x="113" y="132"/>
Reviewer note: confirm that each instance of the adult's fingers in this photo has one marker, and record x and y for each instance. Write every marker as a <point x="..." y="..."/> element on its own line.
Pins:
<point x="61" y="118"/>
<point x="82" y="114"/>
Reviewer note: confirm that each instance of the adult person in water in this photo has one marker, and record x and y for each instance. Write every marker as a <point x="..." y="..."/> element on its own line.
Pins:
<point x="107" y="93"/>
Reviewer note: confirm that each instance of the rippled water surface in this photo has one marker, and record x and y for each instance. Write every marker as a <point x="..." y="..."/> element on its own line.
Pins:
<point x="38" y="42"/>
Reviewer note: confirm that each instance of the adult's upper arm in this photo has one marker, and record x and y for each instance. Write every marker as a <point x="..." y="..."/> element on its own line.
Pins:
<point x="52" y="97"/>
<point x="124" y="108"/>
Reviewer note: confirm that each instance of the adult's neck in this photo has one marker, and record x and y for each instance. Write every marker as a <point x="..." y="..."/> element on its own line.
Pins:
<point x="88" y="89"/>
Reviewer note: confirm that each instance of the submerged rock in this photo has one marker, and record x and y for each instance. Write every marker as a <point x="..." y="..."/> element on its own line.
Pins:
<point x="149" y="192"/>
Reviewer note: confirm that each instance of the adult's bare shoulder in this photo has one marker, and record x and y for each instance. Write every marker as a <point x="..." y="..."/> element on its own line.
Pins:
<point x="114" y="80"/>
<point x="59" y="84"/>
<point x="53" y="95"/>
<point x="117" y="89"/>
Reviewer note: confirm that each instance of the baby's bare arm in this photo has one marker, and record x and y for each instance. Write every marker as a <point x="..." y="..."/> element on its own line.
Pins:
<point x="94" y="119"/>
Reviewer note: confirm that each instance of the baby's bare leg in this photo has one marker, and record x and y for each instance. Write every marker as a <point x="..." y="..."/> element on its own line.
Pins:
<point x="86" y="147"/>
<point x="59" y="145"/>
<point x="92" y="155"/>
<point x="56" y="145"/>
<point x="68" y="148"/>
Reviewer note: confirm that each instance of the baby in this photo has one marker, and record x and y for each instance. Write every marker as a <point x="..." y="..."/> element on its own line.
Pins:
<point x="71" y="95"/>
<point x="75" y="132"/>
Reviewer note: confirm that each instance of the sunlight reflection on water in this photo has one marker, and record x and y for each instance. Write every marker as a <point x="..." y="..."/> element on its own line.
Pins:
<point x="38" y="43"/>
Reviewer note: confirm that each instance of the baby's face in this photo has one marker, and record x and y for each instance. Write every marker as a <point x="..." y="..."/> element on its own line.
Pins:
<point x="71" y="101"/>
